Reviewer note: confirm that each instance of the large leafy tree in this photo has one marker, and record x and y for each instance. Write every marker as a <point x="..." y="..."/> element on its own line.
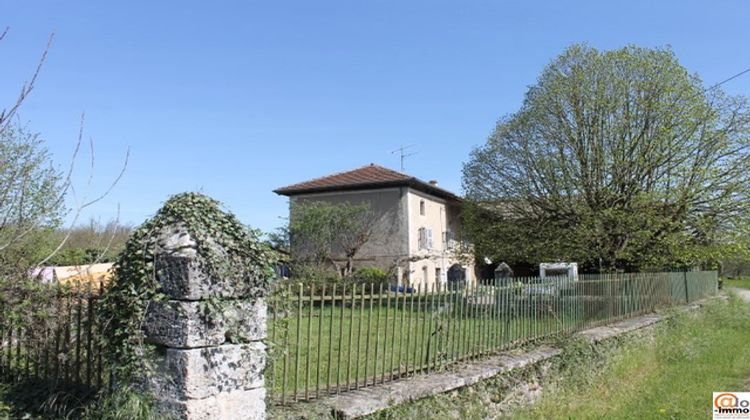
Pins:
<point x="617" y="159"/>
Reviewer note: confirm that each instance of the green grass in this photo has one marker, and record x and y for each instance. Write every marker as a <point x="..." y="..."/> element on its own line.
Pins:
<point x="40" y="400"/>
<point x="343" y="348"/>
<point x="667" y="372"/>
<point x="742" y="283"/>
<point x="672" y="376"/>
<point x="314" y="351"/>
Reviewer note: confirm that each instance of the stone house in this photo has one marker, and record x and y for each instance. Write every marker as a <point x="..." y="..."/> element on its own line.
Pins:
<point x="416" y="235"/>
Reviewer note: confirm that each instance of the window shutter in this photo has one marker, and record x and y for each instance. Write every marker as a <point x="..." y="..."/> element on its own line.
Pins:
<point x="429" y="238"/>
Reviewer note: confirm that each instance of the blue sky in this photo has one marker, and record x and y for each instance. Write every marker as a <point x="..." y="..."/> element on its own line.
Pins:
<point x="235" y="99"/>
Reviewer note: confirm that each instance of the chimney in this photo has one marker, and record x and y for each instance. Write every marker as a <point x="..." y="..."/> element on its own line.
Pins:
<point x="434" y="182"/>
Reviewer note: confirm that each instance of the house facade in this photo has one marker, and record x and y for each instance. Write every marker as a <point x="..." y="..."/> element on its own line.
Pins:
<point x="417" y="228"/>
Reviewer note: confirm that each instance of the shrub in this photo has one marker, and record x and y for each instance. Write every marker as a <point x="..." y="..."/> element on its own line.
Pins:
<point x="370" y="275"/>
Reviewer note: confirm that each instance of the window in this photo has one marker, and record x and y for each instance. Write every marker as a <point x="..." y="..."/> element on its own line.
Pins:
<point x="421" y="207"/>
<point x="425" y="238"/>
<point x="437" y="275"/>
<point x="449" y="240"/>
<point x="424" y="274"/>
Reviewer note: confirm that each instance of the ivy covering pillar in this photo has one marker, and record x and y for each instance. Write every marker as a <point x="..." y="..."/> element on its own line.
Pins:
<point x="188" y="312"/>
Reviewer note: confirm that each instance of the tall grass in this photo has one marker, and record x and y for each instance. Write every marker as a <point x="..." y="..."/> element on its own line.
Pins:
<point x="672" y="376"/>
<point x="36" y="400"/>
<point x="669" y="371"/>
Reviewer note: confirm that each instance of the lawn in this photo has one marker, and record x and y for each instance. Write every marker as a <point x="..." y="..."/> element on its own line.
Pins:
<point x="319" y="350"/>
<point x="742" y="283"/>
<point x="337" y="348"/>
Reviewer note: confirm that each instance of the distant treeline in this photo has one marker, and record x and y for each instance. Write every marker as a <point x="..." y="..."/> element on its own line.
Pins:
<point x="89" y="243"/>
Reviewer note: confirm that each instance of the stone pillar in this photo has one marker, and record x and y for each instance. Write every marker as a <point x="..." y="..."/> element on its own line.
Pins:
<point x="209" y="336"/>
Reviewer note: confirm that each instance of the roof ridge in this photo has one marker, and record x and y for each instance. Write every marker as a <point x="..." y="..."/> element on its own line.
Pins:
<point x="390" y="170"/>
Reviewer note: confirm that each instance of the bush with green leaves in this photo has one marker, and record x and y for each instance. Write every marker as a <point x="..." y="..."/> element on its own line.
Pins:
<point x="371" y="275"/>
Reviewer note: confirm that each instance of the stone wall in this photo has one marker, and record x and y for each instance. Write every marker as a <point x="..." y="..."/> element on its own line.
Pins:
<point x="209" y="336"/>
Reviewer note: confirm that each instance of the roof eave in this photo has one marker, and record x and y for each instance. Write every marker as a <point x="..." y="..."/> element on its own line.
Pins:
<point x="413" y="183"/>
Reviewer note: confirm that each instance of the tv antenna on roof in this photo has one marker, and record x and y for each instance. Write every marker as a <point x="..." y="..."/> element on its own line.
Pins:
<point x="403" y="154"/>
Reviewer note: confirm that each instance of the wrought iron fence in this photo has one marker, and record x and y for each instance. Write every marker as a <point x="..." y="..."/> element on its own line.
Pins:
<point x="327" y="339"/>
<point x="52" y="336"/>
<point x="332" y="338"/>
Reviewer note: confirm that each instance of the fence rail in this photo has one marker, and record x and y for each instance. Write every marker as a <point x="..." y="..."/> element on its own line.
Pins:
<point x="335" y="338"/>
<point x="53" y="337"/>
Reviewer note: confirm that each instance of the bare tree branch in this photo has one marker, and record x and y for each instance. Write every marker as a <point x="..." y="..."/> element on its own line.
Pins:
<point x="7" y="114"/>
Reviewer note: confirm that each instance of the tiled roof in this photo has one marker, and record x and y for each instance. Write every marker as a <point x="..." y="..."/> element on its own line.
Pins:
<point x="366" y="177"/>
